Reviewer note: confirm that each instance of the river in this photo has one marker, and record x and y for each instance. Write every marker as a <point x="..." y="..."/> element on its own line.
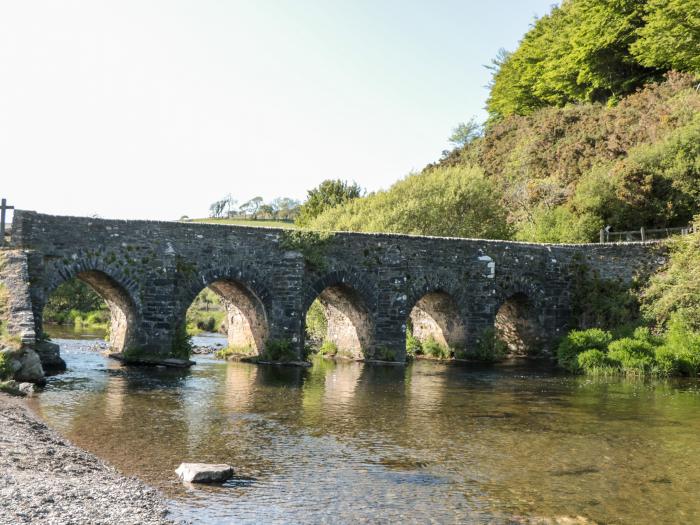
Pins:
<point x="349" y="443"/>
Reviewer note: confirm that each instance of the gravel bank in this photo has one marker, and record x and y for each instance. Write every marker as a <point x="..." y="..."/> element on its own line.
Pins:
<point x="45" y="479"/>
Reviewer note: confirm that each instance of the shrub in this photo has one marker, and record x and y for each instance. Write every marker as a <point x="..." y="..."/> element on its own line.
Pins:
<point x="413" y="344"/>
<point x="490" y="348"/>
<point x="684" y="343"/>
<point x="632" y="355"/>
<point x="316" y="322"/>
<point x="667" y="363"/>
<point x="328" y="348"/>
<point x="234" y="351"/>
<point x="579" y="341"/>
<point x="434" y="349"/>
<point x="280" y="350"/>
<point x="594" y="361"/>
<point x="5" y="369"/>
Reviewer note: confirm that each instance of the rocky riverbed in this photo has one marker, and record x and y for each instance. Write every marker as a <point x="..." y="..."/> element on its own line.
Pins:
<point x="46" y="479"/>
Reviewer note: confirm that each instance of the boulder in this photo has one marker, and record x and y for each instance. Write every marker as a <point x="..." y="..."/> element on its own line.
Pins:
<point x="30" y="370"/>
<point x="50" y="356"/>
<point x="204" y="472"/>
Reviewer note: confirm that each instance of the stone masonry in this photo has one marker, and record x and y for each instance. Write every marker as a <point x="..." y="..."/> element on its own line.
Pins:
<point x="150" y="272"/>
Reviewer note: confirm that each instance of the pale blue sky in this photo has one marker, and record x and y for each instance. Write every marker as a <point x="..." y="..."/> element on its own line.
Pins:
<point x="154" y="109"/>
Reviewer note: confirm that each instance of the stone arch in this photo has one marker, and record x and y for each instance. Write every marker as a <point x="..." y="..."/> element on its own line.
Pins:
<point x="117" y="290"/>
<point x="437" y="316"/>
<point x="246" y="301"/>
<point x="519" y="317"/>
<point x="346" y="302"/>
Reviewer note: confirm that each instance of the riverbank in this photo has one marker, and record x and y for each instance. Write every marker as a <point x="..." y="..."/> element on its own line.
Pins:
<point x="46" y="479"/>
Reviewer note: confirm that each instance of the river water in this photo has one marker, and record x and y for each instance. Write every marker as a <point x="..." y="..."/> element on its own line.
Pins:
<point x="353" y="443"/>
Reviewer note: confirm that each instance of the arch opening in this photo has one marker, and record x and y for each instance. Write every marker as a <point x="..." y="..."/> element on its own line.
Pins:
<point x="436" y="327"/>
<point x="518" y="326"/>
<point x="338" y="324"/>
<point x="92" y="300"/>
<point x="229" y="307"/>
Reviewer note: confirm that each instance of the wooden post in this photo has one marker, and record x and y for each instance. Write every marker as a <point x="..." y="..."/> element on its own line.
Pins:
<point x="642" y="231"/>
<point x="3" y="208"/>
<point x="602" y="235"/>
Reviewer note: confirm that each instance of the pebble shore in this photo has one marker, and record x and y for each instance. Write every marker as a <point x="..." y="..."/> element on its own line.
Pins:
<point x="45" y="479"/>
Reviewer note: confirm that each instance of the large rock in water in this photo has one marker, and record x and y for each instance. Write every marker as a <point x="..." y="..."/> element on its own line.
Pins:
<point x="204" y="473"/>
<point x="50" y="356"/>
<point x="27" y="367"/>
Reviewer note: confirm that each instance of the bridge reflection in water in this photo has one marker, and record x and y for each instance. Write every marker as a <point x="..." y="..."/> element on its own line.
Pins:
<point x="348" y="442"/>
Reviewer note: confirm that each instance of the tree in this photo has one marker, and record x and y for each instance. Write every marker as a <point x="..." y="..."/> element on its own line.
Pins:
<point x="670" y="38"/>
<point x="285" y="208"/>
<point x="328" y="194"/>
<point x="580" y="52"/>
<point x="251" y="207"/>
<point x="446" y="201"/>
<point x="216" y="209"/>
<point x="465" y="133"/>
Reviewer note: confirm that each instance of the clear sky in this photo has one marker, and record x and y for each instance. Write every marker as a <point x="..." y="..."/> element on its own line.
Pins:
<point x="154" y="109"/>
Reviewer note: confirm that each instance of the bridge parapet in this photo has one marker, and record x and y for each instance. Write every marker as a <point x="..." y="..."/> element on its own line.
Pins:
<point x="149" y="272"/>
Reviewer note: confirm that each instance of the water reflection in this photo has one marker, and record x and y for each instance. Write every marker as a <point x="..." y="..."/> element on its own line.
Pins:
<point x="344" y="442"/>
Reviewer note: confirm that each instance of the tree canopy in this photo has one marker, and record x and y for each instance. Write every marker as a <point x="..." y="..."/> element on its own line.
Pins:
<point x="595" y="51"/>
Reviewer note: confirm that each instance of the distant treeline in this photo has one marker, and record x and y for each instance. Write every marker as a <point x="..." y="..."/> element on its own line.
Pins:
<point x="280" y="209"/>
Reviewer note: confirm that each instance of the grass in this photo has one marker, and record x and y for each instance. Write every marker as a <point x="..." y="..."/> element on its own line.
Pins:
<point x="231" y="352"/>
<point x="268" y="223"/>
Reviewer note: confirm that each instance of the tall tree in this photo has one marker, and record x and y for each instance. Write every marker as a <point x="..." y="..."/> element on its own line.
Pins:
<point x="328" y="194"/>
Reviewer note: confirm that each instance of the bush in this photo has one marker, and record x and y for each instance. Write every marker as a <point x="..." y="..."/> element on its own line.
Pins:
<point x="434" y="349"/>
<point x="667" y="362"/>
<point x="413" y="344"/>
<point x="5" y="369"/>
<point x="594" y="361"/>
<point x="316" y="322"/>
<point x="684" y="343"/>
<point x="632" y="355"/>
<point x="490" y="348"/>
<point x="328" y="348"/>
<point x="280" y="350"/>
<point x="579" y="341"/>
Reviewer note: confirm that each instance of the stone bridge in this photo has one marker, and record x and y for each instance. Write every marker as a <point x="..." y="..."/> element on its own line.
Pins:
<point x="372" y="286"/>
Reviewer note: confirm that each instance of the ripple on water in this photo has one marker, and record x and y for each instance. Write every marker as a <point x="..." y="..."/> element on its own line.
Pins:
<point x="347" y="443"/>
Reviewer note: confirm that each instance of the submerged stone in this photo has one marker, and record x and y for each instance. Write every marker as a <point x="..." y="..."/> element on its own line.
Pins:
<point x="204" y="472"/>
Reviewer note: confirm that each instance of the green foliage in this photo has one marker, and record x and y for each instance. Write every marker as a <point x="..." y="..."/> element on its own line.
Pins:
<point x="669" y="38"/>
<point x="385" y="354"/>
<point x="446" y="201"/>
<point x="602" y="303"/>
<point x="413" y="344"/>
<point x="70" y="300"/>
<point x="316" y="322"/>
<point x="182" y="344"/>
<point x="578" y="341"/>
<point x="675" y="290"/>
<point x="593" y="361"/>
<point x="328" y="348"/>
<point x="465" y="133"/>
<point x="595" y="51"/>
<point x="490" y="348"/>
<point x="311" y="244"/>
<point x="280" y="350"/>
<point x="328" y="194"/>
<point x="5" y="368"/>
<point x="683" y="342"/>
<point x="634" y="357"/>
<point x="435" y="349"/>
<point x="231" y="352"/>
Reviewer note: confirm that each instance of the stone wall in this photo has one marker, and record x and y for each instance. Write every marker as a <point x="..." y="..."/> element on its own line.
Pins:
<point x="152" y="271"/>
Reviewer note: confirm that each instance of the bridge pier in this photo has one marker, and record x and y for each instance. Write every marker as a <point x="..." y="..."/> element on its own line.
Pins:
<point x="372" y="285"/>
